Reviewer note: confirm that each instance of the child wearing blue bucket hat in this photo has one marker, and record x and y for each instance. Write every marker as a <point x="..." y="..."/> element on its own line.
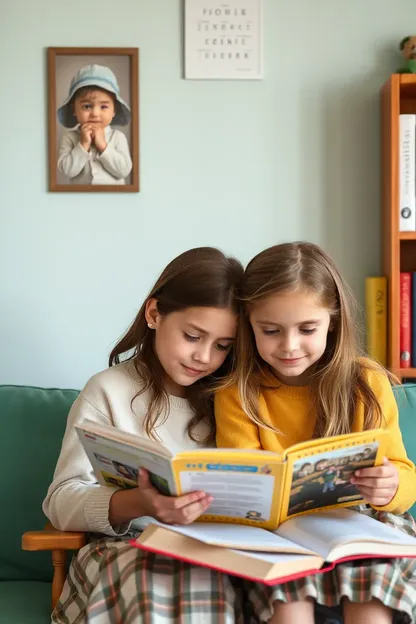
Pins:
<point x="93" y="151"/>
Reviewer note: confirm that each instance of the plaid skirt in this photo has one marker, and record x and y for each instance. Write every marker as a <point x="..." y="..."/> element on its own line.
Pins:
<point x="110" y="582"/>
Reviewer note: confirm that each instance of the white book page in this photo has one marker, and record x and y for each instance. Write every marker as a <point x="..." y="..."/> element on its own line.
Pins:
<point x="271" y="557"/>
<point x="234" y="494"/>
<point x="237" y="536"/>
<point x="324" y="532"/>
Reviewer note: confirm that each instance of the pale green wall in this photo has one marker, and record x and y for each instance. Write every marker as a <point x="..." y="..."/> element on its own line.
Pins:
<point x="239" y="165"/>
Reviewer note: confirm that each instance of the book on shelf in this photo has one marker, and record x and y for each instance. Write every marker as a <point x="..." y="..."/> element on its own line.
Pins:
<point x="376" y="317"/>
<point x="413" y="319"/>
<point x="405" y="319"/>
<point x="407" y="173"/>
<point x="301" y="546"/>
<point x="252" y="487"/>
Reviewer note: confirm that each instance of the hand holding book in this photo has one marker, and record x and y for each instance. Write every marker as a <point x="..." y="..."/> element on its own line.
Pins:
<point x="146" y="500"/>
<point x="172" y="509"/>
<point x="378" y="484"/>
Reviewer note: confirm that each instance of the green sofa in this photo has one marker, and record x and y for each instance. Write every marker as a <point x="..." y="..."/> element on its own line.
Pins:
<point x="32" y="425"/>
<point x="31" y="429"/>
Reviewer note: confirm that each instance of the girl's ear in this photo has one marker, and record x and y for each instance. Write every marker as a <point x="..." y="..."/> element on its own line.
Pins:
<point x="151" y="313"/>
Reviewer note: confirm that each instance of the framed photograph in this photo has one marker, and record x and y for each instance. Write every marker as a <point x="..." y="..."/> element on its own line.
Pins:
<point x="93" y="119"/>
<point x="224" y="39"/>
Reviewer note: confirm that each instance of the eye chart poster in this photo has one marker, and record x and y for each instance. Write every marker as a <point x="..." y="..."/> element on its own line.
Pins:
<point x="223" y="40"/>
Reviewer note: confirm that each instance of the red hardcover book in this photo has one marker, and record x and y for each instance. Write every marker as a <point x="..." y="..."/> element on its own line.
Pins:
<point x="304" y="545"/>
<point x="405" y="319"/>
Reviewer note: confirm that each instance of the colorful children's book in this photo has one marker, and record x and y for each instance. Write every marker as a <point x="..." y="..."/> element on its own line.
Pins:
<point x="252" y="487"/>
<point x="304" y="545"/>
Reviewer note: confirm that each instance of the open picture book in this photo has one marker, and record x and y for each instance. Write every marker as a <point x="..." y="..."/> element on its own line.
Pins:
<point x="304" y="545"/>
<point x="252" y="487"/>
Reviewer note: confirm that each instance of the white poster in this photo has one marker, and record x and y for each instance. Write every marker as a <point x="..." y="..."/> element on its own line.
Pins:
<point x="223" y="40"/>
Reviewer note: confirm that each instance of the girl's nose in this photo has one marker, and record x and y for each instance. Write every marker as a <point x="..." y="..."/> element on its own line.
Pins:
<point x="290" y="343"/>
<point x="202" y="354"/>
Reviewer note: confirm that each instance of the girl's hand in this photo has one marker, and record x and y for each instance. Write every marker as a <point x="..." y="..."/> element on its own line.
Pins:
<point x="378" y="484"/>
<point x="99" y="139"/>
<point x="170" y="509"/>
<point x="86" y="136"/>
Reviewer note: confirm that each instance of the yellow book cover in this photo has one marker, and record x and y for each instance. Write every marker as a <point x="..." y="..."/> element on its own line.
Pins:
<point x="251" y="487"/>
<point x="376" y="317"/>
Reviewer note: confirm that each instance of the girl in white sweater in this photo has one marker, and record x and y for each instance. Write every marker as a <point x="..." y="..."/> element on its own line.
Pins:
<point x="158" y="385"/>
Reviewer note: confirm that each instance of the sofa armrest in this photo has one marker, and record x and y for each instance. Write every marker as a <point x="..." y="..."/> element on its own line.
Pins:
<point x="58" y="542"/>
<point x="52" y="539"/>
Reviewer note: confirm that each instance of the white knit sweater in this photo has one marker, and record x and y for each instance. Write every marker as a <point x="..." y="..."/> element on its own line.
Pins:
<point x="75" y="501"/>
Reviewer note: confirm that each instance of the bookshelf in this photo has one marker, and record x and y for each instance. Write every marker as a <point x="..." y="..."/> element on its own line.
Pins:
<point x="398" y="96"/>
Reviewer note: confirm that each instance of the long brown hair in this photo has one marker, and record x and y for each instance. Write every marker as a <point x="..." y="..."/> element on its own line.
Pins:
<point x="338" y="380"/>
<point x="200" y="277"/>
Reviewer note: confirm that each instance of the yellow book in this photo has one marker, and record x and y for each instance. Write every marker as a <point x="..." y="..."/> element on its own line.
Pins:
<point x="376" y="315"/>
<point x="252" y="487"/>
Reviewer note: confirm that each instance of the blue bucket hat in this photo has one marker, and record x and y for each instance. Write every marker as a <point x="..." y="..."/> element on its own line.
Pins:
<point x="102" y="78"/>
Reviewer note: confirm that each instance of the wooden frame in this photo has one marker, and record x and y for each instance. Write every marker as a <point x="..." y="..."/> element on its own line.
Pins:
<point x="63" y="63"/>
<point x="58" y="542"/>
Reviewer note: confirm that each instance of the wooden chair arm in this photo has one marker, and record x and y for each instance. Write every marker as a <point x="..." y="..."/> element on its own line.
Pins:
<point x="52" y="539"/>
<point x="58" y="542"/>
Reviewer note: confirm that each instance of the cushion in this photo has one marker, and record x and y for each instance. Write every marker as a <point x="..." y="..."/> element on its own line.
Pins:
<point x="25" y="602"/>
<point x="406" y="401"/>
<point x="32" y="424"/>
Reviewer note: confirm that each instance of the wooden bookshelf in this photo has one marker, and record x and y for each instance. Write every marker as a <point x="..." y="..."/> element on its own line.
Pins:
<point x="398" y="96"/>
<point x="403" y="373"/>
<point x="407" y="236"/>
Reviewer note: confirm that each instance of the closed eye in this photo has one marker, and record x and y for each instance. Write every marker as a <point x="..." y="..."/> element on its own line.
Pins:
<point x="190" y="338"/>
<point x="218" y="346"/>
<point x="222" y="347"/>
<point x="305" y="331"/>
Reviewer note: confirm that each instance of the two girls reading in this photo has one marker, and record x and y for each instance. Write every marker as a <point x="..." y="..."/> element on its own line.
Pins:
<point x="294" y="375"/>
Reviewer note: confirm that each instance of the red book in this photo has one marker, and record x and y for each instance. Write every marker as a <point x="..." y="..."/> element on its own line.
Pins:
<point x="307" y="544"/>
<point x="405" y="319"/>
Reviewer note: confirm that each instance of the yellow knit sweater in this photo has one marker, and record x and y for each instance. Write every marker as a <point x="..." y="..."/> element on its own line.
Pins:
<point x="288" y="408"/>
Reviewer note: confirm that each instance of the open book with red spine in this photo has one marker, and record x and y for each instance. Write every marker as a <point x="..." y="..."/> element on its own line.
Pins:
<point x="306" y="544"/>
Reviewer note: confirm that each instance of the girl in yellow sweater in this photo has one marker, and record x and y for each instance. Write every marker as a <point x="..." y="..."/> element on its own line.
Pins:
<point x="300" y="377"/>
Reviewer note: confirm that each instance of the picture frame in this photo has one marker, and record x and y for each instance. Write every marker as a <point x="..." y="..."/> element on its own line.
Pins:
<point x="93" y="119"/>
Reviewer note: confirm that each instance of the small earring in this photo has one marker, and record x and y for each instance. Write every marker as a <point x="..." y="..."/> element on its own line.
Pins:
<point x="150" y="325"/>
